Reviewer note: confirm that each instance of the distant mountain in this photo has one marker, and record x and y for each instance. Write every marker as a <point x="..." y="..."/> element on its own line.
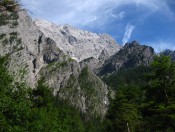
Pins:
<point x="131" y="55"/>
<point x="79" y="44"/>
<point x="170" y="53"/>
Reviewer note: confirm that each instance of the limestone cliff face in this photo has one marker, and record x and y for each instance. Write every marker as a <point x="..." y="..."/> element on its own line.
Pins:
<point x="79" y="44"/>
<point x="80" y="88"/>
<point x="34" y="53"/>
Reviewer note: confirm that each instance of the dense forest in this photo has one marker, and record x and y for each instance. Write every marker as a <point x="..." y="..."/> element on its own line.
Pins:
<point x="144" y="101"/>
<point x="145" y="98"/>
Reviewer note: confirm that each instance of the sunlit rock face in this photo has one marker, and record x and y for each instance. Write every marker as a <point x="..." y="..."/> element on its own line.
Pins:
<point x="79" y="44"/>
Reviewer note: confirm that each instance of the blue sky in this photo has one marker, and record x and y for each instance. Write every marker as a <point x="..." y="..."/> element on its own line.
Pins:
<point x="151" y="22"/>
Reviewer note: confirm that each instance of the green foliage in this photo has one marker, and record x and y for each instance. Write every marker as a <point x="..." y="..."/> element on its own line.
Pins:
<point x="13" y="40"/>
<point x="132" y="76"/>
<point x="14" y="106"/>
<point x="144" y="101"/>
<point x="13" y="16"/>
<point x="53" y="66"/>
<point x="145" y="98"/>
<point x="10" y="19"/>
<point x="42" y="95"/>
<point x="85" y="82"/>
<point x="9" y="5"/>
<point x="3" y="20"/>
<point x="13" y="37"/>
<point x="9" y="14"/>
<point x="124" y="111"/>
<point x="158" y="108"/>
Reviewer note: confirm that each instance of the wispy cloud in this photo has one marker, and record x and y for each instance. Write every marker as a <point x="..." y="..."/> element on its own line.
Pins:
<point x="78" y="12"/>
<point x="118" y="16"/>
<point x="128" y="31"/>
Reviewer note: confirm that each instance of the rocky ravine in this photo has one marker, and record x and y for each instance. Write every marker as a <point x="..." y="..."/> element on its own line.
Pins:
<point x="36" y="49"/>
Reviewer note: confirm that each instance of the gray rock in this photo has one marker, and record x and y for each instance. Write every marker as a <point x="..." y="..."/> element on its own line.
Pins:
<point x="131" y="55"/>
<point x="78" y="44"/>
<point x="170" y="53"/>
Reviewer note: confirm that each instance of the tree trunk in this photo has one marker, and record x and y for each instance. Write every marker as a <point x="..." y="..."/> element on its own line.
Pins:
<point x="166" y="96"/>
<point x="165" y="91"/>
<point x="128" y="127"/>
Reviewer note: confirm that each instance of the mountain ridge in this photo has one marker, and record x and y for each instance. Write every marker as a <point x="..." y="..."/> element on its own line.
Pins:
<point x="129" y="56"/>
<point x="78" y="44"/>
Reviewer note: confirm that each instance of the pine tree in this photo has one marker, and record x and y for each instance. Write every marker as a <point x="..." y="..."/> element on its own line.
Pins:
<point x="159" y="107"/>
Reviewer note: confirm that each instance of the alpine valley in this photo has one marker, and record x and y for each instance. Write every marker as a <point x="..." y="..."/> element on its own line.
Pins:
<point x="60" y="78"/>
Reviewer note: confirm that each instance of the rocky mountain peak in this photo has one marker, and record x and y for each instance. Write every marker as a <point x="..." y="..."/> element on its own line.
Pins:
<point x="170" y="53"/>
<point x="131" y="55"/>
<point x="78" y="44"/>
<point x="132" y="44"/>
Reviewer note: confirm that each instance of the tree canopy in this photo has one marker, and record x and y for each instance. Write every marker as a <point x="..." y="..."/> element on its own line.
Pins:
<point x="146" y="103"/>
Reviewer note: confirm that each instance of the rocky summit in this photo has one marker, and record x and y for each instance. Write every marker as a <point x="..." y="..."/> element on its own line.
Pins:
<point x="79" y="44"/>
<point x="131" y="55"/>
<point x="170" y="53"/>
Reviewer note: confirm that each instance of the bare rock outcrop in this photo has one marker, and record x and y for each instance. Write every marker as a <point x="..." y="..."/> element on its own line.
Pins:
<point x="79" y="44"/>
<point x="131" y="55"/>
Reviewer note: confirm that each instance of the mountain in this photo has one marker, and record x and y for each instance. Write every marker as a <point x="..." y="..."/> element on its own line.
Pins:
<point x="67" y="58"/>
<point x="49" y="82"/>
<point x="170" y="53"/>
<point x="131" y="55"/>
<point x="79" y="44"/>
<point x="39" y="49"/>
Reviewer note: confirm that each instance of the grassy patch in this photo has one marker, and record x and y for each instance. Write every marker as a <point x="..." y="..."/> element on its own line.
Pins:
<point x="57" y="64"/>
<point x="23" y="72"/>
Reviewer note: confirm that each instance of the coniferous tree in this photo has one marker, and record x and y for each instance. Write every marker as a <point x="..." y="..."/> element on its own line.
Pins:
<point x="159" y="107"/>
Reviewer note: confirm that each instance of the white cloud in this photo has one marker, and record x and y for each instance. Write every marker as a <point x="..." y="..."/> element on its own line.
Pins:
<point x="118" y="16"/>
<point x="81" y="12"/>
<point x="128" y="31"/>
<point x="161" y="45"/>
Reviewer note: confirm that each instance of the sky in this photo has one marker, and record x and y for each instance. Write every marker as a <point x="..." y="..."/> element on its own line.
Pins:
<point x="150" y="22"/>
